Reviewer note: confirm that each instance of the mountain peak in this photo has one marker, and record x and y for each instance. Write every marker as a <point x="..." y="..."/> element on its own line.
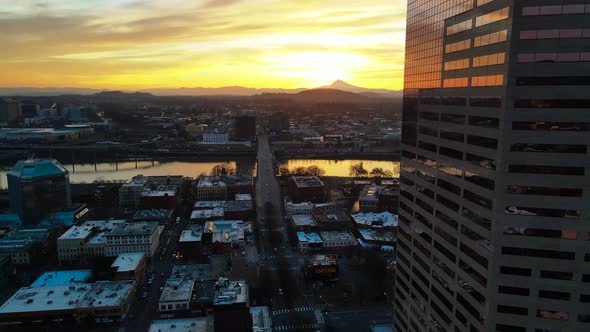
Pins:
<point x="339" y="84"/>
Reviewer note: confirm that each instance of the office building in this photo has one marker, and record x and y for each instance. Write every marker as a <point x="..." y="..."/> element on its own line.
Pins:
<point x="37" y="187"/>
<point x="492" y="232"/>
<point x="306" y="188"/>
<point x="245" y="127"/>
<point x="9" y="110"/>
<point x="141" y="237"/>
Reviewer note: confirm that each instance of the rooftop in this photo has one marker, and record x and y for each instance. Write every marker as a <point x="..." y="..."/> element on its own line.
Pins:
<point x="260" y="319"/>
<point x="177" y="289"/>
<point x="378" y="220"/>
<point x="55" y="278"/>
<point x="77" y="233"/>
<point x="337" y="216"/>
<point x="197" y="324"/>
<point x="210" y="181"/>
<point x="152" y="214"/>
<point x="158" y="193"/>
<point x="128" y="261"/>
<point x="243" y="197"/>
<point x="230" y="292"/>
<point x="324" y="260"/>
<point x="192" y="234"/>
<point x="307" y="181"/>
<point x="200" y="205"/>
<point x="377" y="235"/>
<point x="303" y="220"/>
<point x="138" y="228"/>
<point x="337" y="235"/>
<point x="309" y="237"/>
<point x="32" y="168"/>
<point x="208" y="213"/>
<point x="369" y="193"/>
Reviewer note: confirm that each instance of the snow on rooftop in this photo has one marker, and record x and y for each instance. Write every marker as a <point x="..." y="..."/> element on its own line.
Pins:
<point x="127" y="261"/>
<point x="197" y="324"/>
<point x="303" y="220"/>
<point x="54" y="278"/>
<point x="309" y="237"/>
<point x="383" y="219"/>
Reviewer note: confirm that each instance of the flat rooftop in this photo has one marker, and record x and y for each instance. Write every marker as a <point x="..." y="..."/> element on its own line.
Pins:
<point x="309" y="237"/>
<point x="128" y="261"/>
<point x="301" y="220"/>
<point x="153" y="214"/>
<point x="210" y="181"/>
<point x="377" y="235"/>
<point x="177" y="289"/>
<point x="260" y="319"/>
<point x="137" y="228"/>
<point x="200" y="205"/>
<point x="197" y="324"/>
<point x="159" y="193"/>
<point x="243" y="197"/>
<point x="337" y="235"/>
<point x="307" y="181"/>
<point x="77" y="233"/>
<point x="324" y="260"/>
<point x="230" y="292"/>
<point x="377" y="220"/>
<point x="54" y="278"/>
<point x="193" y="234"/>
<point x="217" y="212"/>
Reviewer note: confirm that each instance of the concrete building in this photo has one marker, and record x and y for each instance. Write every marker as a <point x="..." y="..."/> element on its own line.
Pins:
<point x="211" y="188"/>
<point x="493" y="229"/>
<point x="195" y="324"/>
<point x="261" y="320"/>
<point x="130" y="266"/>
<point x="6" y="273"/>
<point x="308" y="241"/>
<point x="9" y="111"/>
<point x="130" y="193"/>
<point x="306" y="189"/>
<point x="232" y="306"/>
<point x="141" y="237"/>
<point x="68" y="303"/>
<point x="375" y="220"/>
<point x="56" y="278"/>
<point x="215" y="138"/>
<point x="79" y="244"/>
<point x="337" y="239"/>
<point x="38" y="187"/>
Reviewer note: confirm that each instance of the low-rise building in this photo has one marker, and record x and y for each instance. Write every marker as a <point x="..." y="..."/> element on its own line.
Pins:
<point x="322" y="267"/>
<point x="6" y="273"/>
<point x="130" y="193"/>
<point x="331" y="220"/>
<point x="130" y="266"/>
<point x="163" y="197"/>
<point x="306" y="188"/>
<point x="368" y="200"/>
<point x="211" y="188"/>
<point x="190" y="243"/>
<point x="79" y="244"/>
<point x="133" y="237"/>
<point x="379" y="198"/>
<point x="162" y="216"/>
<point x="338" y="239"/>
<point x="227" y="232"/>
<point x="176" y="296"/>
<point x="195" y="324"/>
<point x="385" y="220"/>
<point x="25" y="245"/>
<point x="308" y="241"/>
<point x="75" y="303"/>
<point x="201" y="216"/>
<point x="261" y="321"/>
<point x="373" y="237"/>
<point x="303" y="222"/>
<point x="69" y="277"/>
<point x="298" y="208"/>
<point x="231" y="305"/>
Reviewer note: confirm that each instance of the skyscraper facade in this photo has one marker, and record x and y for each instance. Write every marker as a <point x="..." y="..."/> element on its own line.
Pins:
<point x="37" y="187"/>
<point x="494" y="221"/>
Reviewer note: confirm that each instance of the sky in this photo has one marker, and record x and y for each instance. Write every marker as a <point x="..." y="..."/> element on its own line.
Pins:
<point x="138" y="44"/>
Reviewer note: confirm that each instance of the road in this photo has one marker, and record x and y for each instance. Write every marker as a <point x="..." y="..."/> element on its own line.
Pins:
<point x="280" y="268"/>
<point x="146" y="309"/>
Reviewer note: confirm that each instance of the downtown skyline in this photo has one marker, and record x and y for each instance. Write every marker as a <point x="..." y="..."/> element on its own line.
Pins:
<point x="172" y="44"/>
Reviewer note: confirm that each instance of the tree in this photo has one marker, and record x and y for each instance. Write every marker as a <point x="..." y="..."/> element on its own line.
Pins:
<point x="380" y="172"/>
<point x="358" y="170"/>
<point x="223" y="169"/>
<point x="299" y="171"/>
<point x="284" y="171"/>
<point x="315" y="171"/>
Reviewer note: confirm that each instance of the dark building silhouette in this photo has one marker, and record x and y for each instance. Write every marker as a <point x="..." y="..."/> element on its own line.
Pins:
<point x="245" y="127"/>
<point x="37" y="187"/>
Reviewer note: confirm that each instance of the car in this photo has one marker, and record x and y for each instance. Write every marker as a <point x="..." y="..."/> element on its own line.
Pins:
<point x="161" y="289"/>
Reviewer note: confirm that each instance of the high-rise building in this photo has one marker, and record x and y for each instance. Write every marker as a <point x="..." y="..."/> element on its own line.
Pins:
<point x="37" y="187"/>
<point x="245" y="126"/>
<point x="494" y="233"/>
<point x="9" y="109"/>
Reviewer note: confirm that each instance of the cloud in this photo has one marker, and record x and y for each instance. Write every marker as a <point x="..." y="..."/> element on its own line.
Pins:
<point x="220" y="3"/>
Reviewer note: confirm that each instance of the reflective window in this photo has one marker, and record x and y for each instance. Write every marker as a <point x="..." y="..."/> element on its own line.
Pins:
<point x="484" y="142"/>
<point x="488" y="80"/>
<point x="555" y="34"/>
<point x="451" y="153"/>
<point x="555" y="10"/>
<point x="489" y="60"/>
<point x="544" y="191"/>
<point x="552" y="103"/>
<point x="459" y="27"/>
<point x="485" y="101"/>
<point x="454" y="101"/>
<point x="551" y="314"/>
<point x="453" y="118"/>
<point x="450" y="169"/>
<point x="483" y="121"/>
<point x="553" y="57"/>
<point x="458" y="46"/>
<point x="551" y="148"/>
<point x="457" y="64"/>
<point x="540" y="253"/>
<point x="498" y="15"/>
<point x="542" y="169"/>
<point x="483" y="2"/>
<point x="478" y="199"/>
<point x="479" y="180"/>
<point x="461" y="82"/>
<point x="481" y="161"/>
<point x="490" y="38"/>
<point x="542" y="212"/>
<point x="553" y="80"/>
<point x="539" y="232"/>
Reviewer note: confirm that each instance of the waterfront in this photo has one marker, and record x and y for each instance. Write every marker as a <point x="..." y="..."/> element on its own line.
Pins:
<point x="341" y="168"/>
<point x="123" y="171"/>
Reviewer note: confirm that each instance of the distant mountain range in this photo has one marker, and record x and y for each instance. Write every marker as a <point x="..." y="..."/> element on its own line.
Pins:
<point x="357" y="92"/>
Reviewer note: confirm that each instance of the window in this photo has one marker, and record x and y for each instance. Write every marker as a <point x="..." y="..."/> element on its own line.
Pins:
<point x="479" y="180"/>
<point x="539" y="232"/>
<point x="477" y="199"/>
<point x="458" y="46"/>
<point x="542" y="212"/>
<point x="556" y="80"/>
<point x="509" y="328"/>
<point x="483" y="121"/>
<point x="483" y="2"/>
<point x="477" y="219"/>
<point x="474" y="255"/>
<point x="554" y="295"/>
<point x="553" y="57"/>
<point x="481" y="161"/>
<point x="429" y="116"/>
<point x="430" y="100"/>
<point x="461" y="82"/>
<point x="452" y="118"/>
<point x="489" y="60"/>
<point x="552" y="103"/>
<point x="555" y="10"/>
<point x="449" y="186"/>
<point x="540" y="253"/>
<point x="513" y="290"/>
<point x="427" y="146"/>
<point x="498" y="15"/>
<point x="459" y="27"/>
<point x="453" y="136"/>
<point x="555" y="34"/>
<point x="558" y="275"/>
<point x="551" y="126"/>
<point x="488" y="80"/>
<point x="457" y="64"/>
<point x="544" y="191"/>
<point x="454" y="101"/>
<point x="517" y="271"/>
<point x="484" y="142"/>
<point x="550" y="314"/>
<point x="548" y="148"/>
<point x="451" y="153"/>
<point x="452" y="205"/>
<point x="428" y="131"/>
<point x="491" y="38"/>
<point x="485" y="102"/>
<point x="451" y="170"/>
<point x="542" y="169"/>
<point x="512" y="310"/>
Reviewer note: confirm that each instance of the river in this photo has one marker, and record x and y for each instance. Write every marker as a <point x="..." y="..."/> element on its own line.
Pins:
<point x="123" y="171"/>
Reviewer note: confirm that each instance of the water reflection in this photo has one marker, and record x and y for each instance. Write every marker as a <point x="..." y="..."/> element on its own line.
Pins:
<point x="341" y="167"/>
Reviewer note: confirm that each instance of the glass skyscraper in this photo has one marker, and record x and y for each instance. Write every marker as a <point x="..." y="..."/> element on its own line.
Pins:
<point x="494" y="210"/>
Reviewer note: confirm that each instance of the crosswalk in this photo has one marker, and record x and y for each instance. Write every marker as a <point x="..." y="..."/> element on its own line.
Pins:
<point x="286" y="311"/>
<point x="296" y="327"/>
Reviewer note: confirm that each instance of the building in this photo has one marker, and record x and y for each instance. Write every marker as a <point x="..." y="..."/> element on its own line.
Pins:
<point x="211" y="188"/>
<point x="337" y="239"/>
<point x="176" y="296"/>
<point x="215" y="138"/>
<point x="29" y="109"/>
<point x="130" y="266"/>
<point x="368" y="200"/>
<point x="261" y="321"/>
<point x="9" y="111"/>
<point x="56" y="278"/>
<point x="238" y="185"/>
<point x="80" y="244"/>
<point x="38" y="187"/>
<point x="68" y="303"/>
<point x="26" y="246"/>
<point x="163" y="197"/>
<point x="190" y="243"/>
<point x="162" y="216"/>
<point x="322" y="267"/>
<point x="130" y="193"/>
<point x="279" y="121"/>
<point x="494" y="168"/>
<point x="376" y="220"/>
<point x="141" y="237"/>
<point x="306" y="189"/>
<point x="374" y="237"/>
<point x="302" y="208"/>
<point x="232" y="306"/>
<point x="308" y="241"/>
<point x="374" y="198"/>
<point x="195" y="324"/>
<point x="331" y="220"/>
<point x="227" y="232"/>
<point x="201" y="216"/>
<point x="6" y="273"/>
<point x="245" y="127"/>
<point x="303" y="222"/>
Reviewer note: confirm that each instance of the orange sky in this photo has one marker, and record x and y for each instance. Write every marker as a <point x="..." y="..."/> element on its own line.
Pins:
<point x="135" y="44"/>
